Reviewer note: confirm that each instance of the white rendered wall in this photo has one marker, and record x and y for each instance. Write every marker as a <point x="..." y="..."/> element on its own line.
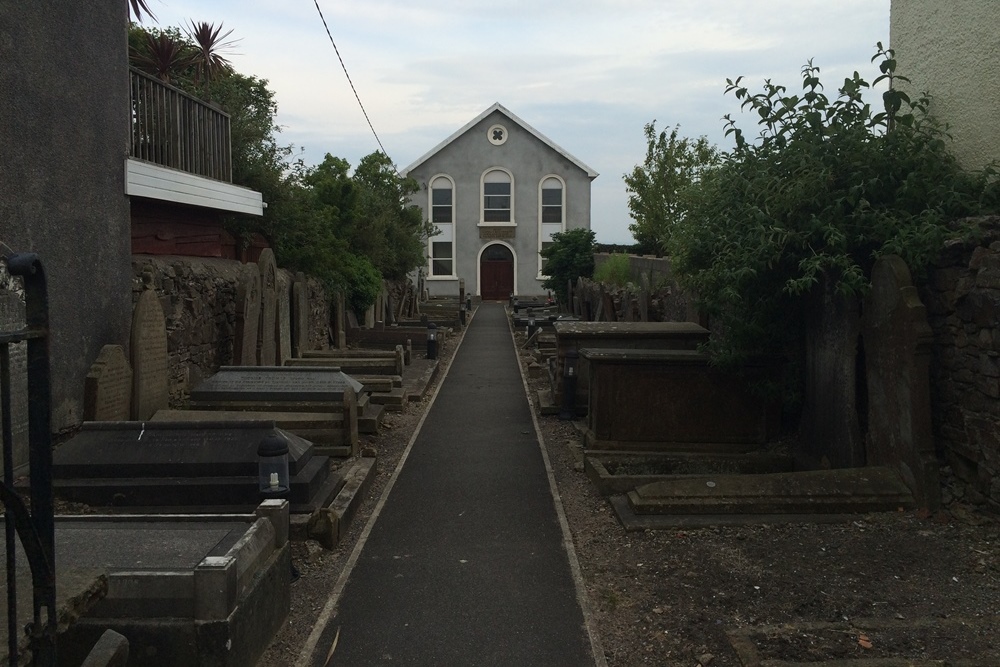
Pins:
<point x="951" y="48"/>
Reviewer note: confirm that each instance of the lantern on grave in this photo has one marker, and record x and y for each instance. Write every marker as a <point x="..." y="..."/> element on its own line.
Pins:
<point x="432" y="346"/>
<point x="272" y="466"/>
<point x="568" y="410"/>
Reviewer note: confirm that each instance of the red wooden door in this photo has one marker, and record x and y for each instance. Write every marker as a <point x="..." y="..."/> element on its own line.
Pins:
<point x="496" y="273"/>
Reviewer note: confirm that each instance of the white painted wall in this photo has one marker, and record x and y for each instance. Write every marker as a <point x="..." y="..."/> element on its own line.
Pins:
<point x="951" y="48"/>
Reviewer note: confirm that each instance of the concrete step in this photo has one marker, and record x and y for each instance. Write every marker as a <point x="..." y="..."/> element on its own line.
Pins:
<point x="848" y="491"/>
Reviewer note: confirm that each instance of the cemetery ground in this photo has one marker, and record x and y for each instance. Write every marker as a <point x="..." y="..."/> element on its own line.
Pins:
<point x="905" y="585"/>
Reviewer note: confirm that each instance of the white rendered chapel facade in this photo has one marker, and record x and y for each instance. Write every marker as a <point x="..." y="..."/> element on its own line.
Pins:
<point x="496" y="191"/>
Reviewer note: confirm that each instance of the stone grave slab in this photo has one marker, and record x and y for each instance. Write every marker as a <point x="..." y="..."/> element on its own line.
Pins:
<point x="247" y="317"/>
<point x="266" y="350"/>
<point x="843" y="491"/>
<point x="208" y="464"/>
<point x="276" y="384"/>
<point x="182" y="590"/>
<point x="325" y="430"/>
<point x="12" y="318"/>
<point x="149" y="357"/>
<point x="107" y="390"/>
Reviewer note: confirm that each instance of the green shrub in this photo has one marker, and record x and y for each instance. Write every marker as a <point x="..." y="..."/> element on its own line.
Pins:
<point x="825" y="188"/>
<point x="615" y="270"/>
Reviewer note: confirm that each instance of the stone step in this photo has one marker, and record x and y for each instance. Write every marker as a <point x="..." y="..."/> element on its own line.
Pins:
<point x="846" y="491"/>
<point x="394" y="400"/>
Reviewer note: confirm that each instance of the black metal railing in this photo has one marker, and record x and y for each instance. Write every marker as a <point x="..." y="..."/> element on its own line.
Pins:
<point x="174" y="129"/>
<point x="35" y="528"/>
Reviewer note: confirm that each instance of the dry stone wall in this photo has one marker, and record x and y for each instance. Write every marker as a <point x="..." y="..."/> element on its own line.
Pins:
<point x="962" y="296"/>
<point x="199" y="301"/>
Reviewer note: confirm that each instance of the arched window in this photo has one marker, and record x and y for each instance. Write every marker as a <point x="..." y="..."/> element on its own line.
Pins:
<point x="551" y="215"/>
<point x="497" y="197"/>
<point x="441" y="246"/>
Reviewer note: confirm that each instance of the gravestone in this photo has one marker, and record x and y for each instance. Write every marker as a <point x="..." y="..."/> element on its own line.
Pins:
<point x="275" y="385"/>
<point x="266" y="354"/>
<point x="272" y="388"/>
<point x="148" y="344"/>
<point x="300" y="317"/>
<point x="12" y="318"/>
<point x="201" y="464"/>
<point x="897" y="341"/>
<point x="107" y="390"/>
<point x="247" y="316"/>
<point x="283" y="326"/>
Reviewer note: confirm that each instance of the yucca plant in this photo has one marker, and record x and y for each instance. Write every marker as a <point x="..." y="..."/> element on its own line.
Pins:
<point x="208" y="59"/>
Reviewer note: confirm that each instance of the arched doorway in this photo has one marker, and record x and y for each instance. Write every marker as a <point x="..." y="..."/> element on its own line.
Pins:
<point x="496" y="272"/>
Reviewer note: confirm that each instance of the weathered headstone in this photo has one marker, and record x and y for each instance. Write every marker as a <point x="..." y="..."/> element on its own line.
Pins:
<point x="266" y="353"/>
<point x="283" y="326"/>
<point x="897" y="342"/>
<point x="148" y="345"/>
<point x="12" y="318"/>
<point x="107" y="390"/>
<point x="247" y="317"/>
<point x="300" y="317"/>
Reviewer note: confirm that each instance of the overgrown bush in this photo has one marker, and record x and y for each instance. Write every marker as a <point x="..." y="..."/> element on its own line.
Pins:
<point x="615" y="270"/>
<point x="570" y="256"/>
<point x="826" y="187"/>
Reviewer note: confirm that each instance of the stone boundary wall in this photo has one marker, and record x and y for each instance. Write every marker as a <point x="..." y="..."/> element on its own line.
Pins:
<point x="198" y="296"/>
<point x="962" y="295"/>
<point x="656" y="292"/>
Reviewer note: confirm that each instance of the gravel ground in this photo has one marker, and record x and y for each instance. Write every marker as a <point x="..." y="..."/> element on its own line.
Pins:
<point x="900" y="585"/>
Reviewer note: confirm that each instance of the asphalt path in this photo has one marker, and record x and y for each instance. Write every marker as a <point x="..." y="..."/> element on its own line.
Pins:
<point x="465" y="564"/>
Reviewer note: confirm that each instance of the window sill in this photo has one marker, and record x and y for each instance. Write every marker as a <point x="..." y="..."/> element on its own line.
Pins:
<point x="441" y="278"/>
<point x="497" y="224"/>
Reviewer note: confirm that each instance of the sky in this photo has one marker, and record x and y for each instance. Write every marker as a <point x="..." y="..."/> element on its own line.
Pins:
<point x="587" y="74"/>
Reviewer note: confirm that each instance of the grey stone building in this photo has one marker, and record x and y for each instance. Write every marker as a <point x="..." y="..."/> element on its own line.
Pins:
<point x="497" y="190"/>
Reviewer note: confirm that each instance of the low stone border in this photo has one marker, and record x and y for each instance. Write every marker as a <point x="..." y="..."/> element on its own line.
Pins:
<point x="862" y="635"/>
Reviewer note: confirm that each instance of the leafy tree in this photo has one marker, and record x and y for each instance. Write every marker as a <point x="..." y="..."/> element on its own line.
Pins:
<point x="826" y="187"/>
<point x="570" y="256"/>
<point x="386" y="229"/>
<point x="659" y="187"/>
<point x="350" y="230"/>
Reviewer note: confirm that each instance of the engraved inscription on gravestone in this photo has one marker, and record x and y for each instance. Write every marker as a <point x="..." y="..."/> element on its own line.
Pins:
<point x="266" y="355"/>
<point x="149" y="357"/>
<point x="107" y="390"/>
<point x="11" y="319"/>
<point x="247" y="316"/>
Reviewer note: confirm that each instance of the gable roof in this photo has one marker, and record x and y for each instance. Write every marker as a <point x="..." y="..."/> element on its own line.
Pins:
<point x="502" y="109"/>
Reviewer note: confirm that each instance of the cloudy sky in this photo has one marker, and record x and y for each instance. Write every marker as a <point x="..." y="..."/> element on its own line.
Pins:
<point x="588" y="74"/>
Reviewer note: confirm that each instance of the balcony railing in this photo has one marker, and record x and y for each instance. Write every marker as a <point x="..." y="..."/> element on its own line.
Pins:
<point x="173" y="129"/>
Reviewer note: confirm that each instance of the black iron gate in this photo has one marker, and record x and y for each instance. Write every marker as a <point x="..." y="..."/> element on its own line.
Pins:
<point x="35" y="528"/>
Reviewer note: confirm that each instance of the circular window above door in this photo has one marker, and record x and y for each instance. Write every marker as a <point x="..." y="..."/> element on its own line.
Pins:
<point x="497" y="134"/>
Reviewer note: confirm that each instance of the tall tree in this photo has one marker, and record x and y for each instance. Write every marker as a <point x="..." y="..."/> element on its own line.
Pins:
<point x="658" y="188"/>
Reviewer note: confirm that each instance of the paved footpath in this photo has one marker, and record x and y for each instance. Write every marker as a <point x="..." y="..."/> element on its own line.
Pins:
<point x="465" y="565"/>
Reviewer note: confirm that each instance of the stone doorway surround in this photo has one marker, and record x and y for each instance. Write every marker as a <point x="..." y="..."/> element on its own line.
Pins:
<point x="496" y="272"/>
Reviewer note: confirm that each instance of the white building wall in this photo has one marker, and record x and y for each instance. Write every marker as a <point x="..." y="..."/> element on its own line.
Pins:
<point x="951" y="48"/>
